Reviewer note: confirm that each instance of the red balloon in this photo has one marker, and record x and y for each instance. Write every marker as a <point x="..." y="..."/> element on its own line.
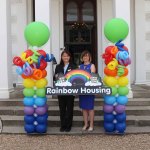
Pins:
<point x="108" y="49"/>
<point x="124" y="47"/>
<point x="108" y="56"/>
<point x="43" y="64"/>
<point x="44" y="73"/>
<point x="42" y="52"/>
<point x="18" y="61"/>
<point x="28" y="53"/>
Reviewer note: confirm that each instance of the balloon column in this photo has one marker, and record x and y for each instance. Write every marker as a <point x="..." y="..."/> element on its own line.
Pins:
<point x="31" y="65"/>
<point x="116" y="58"/>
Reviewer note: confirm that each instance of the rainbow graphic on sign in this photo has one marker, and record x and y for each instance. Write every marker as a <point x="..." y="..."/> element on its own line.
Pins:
<point x="78" y="74"/>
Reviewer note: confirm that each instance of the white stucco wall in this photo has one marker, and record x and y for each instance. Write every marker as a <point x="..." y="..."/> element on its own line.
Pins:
<point x="21" y="15"/>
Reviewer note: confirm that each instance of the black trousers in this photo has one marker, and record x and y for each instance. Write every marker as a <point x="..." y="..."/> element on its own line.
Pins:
<point x="66" y="104"/>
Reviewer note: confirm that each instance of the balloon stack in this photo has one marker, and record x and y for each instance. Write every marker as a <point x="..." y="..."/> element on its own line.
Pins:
<point x="116" y="58"/>
<point x="31" y="65"/>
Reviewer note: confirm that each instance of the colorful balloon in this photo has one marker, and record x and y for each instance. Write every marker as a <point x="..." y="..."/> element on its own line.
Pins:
<point x="116" y="29"/>
<point x="120" y="127"/>
<point x="120" y="109"/>
<point x="40" y="101"/>
<point x="110" y="81"/>
<point x="108" y="108"/>
<point x="28" y="83"/>
<point x="29" y="110"/>
<point x="123" y="81"/>
<point x="108" y="117"/>
<point x="36" y="34"/>
<point x="114" y="91"/>
<point x="110" y="100"/>
<point x="28" y="92"/>
<point x="41" y="92"/>
<point x="109" y="127"/>
<point x="121" y="117"/>
<point x="122" y="100"/>
<point x="41" y="83"/>
<point x="29" y="119"/>
<point x="123" y="90"/>
<point x="29" y="128"/>
<point x="28" y="101"/>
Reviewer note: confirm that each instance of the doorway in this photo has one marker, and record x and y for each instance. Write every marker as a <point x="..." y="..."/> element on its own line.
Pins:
<point x="80" y="28"/>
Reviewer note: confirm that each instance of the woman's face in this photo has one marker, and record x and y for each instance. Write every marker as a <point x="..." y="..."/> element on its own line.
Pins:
<point x="65" y="58"/>
<point x="86" y="58"/>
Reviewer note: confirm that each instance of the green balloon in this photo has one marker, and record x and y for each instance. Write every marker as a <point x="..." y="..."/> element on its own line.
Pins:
<point x="28" y="92"/>
<point x="41" y="92"/>
<point x="36" y="34"/>
<point x="116" y="29"/>
<point x="123" y="90"/>
<point x="114" y="91"/>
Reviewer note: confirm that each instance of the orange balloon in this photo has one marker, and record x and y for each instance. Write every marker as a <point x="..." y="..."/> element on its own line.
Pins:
<point x="44" y="73"/>
<point x="25" y="77"/>
<point x="125" y="72"/>
<point x="114" y="50"/>
<point x="109" y="72"/>
<point x="37" y="74"/>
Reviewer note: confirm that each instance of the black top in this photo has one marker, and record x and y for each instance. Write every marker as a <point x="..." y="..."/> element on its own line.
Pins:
<point x="60" y="69"/>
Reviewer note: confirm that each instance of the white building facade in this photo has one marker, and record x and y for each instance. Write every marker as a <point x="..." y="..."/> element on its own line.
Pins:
<point x="16" y="14"/>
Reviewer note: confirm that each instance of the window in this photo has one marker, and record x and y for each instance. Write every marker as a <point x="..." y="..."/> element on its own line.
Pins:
<point x="88" y="11"/>
<point x="72" y="11"/>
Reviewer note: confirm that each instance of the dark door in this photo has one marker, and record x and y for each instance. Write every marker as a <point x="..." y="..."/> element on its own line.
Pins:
<point x="80" y="28"/>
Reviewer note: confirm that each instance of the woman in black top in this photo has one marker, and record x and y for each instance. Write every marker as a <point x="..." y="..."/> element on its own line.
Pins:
<point x="66" y="102"/>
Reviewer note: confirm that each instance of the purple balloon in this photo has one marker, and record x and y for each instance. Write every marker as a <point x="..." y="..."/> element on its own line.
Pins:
<point x="29" y="110"/>
<point x="108" y="108"/>
<point x="120" y="109"/>
<point x="41" y="110"/>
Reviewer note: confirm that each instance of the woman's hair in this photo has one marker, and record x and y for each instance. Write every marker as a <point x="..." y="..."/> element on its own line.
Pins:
<point x="84" y="53"/>
<point x="69" y="54"/>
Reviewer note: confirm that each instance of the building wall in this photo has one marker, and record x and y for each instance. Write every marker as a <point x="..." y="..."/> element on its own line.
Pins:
<point x="22" y="11"/>
<point x="21" y="15"/>
<point x="147" y="39"/>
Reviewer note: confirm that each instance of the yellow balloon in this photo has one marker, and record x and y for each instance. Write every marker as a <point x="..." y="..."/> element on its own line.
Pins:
<point x="28" y="83"/>
<point x="110" y="81"/>
<point x="123" y="81"/>
<point x="41" y="83"/>
<point x="113" y="64"/>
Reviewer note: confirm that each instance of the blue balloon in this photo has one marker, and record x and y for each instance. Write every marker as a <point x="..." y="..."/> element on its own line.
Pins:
<point x="29" y="128"/>
<point x="41" y="128"/>
<point x="109" y="127"/>
<point x="108" y="117"/>
<point x="122" y="100"/>
<point x="28" y="101"/>
<point x="121" y="117"/>
<point x="42" y="119"/>
<point x="39" y="101"/>
<point x="29" y="119"/>
<point x="120" y="127"/>
<point x="110" y="100"/>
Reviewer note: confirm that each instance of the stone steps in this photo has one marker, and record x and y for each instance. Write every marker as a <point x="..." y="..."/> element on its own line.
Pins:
<point x="98" y="102"/>
<point x="54" y="121"/>
<point x="54" y="110"/>
<point x="76" y="130"/>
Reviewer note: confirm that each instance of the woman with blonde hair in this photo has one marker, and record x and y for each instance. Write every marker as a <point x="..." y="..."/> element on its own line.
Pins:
<point x="86" y="102"/>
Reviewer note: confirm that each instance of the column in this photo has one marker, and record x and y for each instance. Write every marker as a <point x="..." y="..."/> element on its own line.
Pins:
<point x="43" y="14"/>
<point x="104" y="13"/>
<point x="140" y="42"/>
<point x="122" y="10"/>
<point x="6" y="84"/>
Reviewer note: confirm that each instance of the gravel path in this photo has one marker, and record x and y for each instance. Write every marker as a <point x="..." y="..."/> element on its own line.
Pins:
<point x="85" y="142"/>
